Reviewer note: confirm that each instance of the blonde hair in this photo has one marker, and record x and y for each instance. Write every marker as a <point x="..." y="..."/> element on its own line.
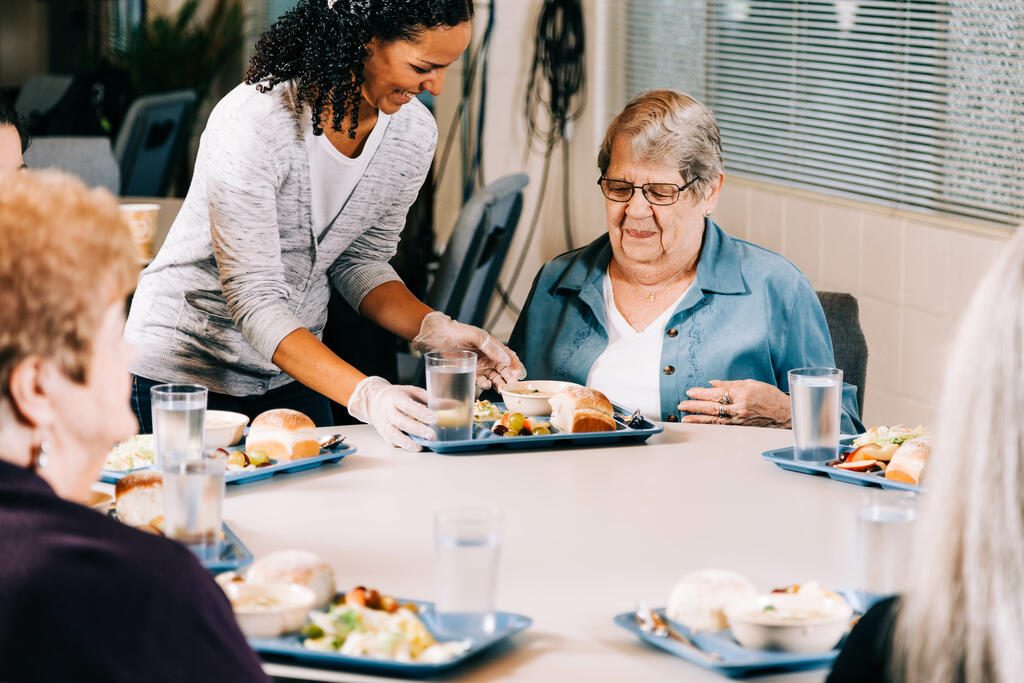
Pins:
<point x="667" y="126"/>
<point x="963" y="618"/>
<point x="65" y="257"/>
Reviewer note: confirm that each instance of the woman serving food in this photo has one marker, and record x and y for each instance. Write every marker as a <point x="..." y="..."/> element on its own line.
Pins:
<point x="666" y="312"/>
<point x="304" y="177"/>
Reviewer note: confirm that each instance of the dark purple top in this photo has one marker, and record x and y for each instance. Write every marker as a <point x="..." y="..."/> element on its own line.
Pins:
<point x="84" y="597"/>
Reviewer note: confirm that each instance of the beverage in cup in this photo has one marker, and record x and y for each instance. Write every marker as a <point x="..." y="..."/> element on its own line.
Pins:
<point x="451" y="388"/>
<point x="179" y="411"/>
<point x="193" y="499"/>
<point x="815" y="396"/>
<point x="467" y="544"/>
<point x="142" y="219"/>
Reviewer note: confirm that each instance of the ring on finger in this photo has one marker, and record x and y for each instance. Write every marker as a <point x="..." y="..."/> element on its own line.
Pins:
<point x="725" y="399"/>
<point x="721" y="411"/>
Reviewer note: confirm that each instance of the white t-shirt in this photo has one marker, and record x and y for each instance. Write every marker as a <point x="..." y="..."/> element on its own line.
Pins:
<point x="333" y="175"/>
<point x="628" y="371"/>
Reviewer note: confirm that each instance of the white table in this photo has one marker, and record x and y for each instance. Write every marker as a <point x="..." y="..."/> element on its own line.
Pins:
<point x="588" y="532"/>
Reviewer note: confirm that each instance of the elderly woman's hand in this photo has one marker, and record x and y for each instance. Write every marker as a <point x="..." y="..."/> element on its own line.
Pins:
<point x="739" y="402"/>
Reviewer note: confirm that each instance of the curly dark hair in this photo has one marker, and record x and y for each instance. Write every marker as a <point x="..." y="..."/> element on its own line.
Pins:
<point x="9" y="116"/>
<point x="322" y="48"/>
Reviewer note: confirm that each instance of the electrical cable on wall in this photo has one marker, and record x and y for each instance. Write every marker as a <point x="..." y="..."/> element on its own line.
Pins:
<point x="556" y="89"/>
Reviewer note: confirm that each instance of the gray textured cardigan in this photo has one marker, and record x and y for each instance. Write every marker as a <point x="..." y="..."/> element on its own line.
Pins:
<point x="242" y="267"/>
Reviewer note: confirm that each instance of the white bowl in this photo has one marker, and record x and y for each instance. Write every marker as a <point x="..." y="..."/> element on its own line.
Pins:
<point x="288" y="606"/>
<point x="798" y="623"/>
<point x="530" y="397"/>
<point x="223" y="428"/>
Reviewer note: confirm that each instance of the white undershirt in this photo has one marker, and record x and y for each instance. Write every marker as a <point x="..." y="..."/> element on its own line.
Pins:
<point x="332" y="175"/>
<point x="628" y="371"/>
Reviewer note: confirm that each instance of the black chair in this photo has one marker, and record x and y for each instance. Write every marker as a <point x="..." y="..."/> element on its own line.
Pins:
<point x="468" y="271"/>
<point x="154" y="134"/>
<point x="467" y="274"/>
<point x="851" y="349"/>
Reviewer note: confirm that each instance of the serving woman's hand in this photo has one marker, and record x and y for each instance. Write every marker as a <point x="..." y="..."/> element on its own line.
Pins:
<point x="738" y="402"/>
<point x="394" y="411"/>
<point x="496" y="364"/>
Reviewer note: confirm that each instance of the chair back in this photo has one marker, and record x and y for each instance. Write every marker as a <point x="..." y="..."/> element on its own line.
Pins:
<point x="153" y="135"/>
<point x="89" y="158"/>
<point x="40" y="93"/>
<point x="468" y="272"/>
<point x="848" y="344"/>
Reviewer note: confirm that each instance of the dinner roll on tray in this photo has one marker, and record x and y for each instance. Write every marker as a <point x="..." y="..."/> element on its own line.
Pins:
<point x="700" y="599"/>
<point x="295" y="566"/>
<point x="140" y="498"/>
<point x="283" y="434"/>
<point x="579" y="409"/>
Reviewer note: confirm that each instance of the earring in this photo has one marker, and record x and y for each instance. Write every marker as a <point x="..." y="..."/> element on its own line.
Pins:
<point x="707" y="213"/>
<point x="39" y="456"/>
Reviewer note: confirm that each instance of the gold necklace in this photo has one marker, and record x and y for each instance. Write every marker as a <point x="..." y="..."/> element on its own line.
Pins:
<point x="650" y="297"/>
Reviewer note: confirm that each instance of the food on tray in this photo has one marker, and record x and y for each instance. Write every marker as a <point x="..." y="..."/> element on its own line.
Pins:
<point x="138" y="451"/>
<point x="241" y="461"/>
<point x="485" y="411"/>
<point x="282" y="434"/>
<point x="517" y="424"/>
<point x="700" y="598"/>
<point x="265" y="610"/>
<point x="908" y="463"/>
<point x="140" y="498"/>
<point x="579" y="409"/>
<point x="801" y="618"/>
<point x="352" y="626"/>
<point x="295" y="566"/>
<point x="876" y="448"/>
<point x="223" y="428"/>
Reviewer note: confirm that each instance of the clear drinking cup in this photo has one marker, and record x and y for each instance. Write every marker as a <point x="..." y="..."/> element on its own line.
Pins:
<point x="451" y="388"/>
<point x="193" y="500"/>
<point x="885" y="533"/>
<point x="179" y="411"/>
<point x="467" y="545"/>
<point x="815" y="396"/>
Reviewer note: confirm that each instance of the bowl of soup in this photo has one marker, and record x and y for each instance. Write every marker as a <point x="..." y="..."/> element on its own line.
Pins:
<point x="790" y="622"/>
<point x="530" y="397"/>
<point x="223" y="428"/>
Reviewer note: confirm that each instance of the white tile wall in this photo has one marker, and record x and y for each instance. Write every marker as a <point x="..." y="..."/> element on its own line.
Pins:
<point x="911" y="277"/>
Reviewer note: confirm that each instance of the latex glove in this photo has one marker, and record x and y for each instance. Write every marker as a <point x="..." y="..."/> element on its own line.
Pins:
<point x="394" y="411"/>
<point x="496" y="364"/>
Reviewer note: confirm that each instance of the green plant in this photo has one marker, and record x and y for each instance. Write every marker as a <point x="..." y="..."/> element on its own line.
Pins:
<point x="182" y="50"/>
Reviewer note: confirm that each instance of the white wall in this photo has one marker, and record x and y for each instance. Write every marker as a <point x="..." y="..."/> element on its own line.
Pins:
<point x="912" y="273"/>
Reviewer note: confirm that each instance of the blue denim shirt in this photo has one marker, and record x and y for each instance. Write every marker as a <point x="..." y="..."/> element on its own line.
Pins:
<point x="750" y="314"/>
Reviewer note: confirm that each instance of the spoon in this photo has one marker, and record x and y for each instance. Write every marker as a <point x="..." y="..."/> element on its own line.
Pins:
<point x="330" y="442"/>
<point x="651" y="622"/>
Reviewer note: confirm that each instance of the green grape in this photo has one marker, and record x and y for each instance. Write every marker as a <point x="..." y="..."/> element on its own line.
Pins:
<point x="538" y="431"/>
<point x="258" y="457"/>
<point x="236" y="458"/>
<point x="516" y="422"/>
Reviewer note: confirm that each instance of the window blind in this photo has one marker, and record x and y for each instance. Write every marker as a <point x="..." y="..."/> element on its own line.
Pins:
<point x="906" y="103"/>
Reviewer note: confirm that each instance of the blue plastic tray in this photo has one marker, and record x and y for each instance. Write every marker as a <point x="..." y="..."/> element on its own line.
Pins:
<point x="290" y="646"/>
<point x="484" y="439"/>
<point x="736" y="661"/>
<point x="783" y="457"/>
<point x="282" y="467"/>
<point x="233" y="554"/>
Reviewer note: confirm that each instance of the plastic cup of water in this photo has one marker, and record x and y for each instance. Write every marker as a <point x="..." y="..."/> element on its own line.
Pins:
<point x="467" y="547"/>
<point x="451" y="388"/>
<point x="885" y="534"/>
<point x="193" y="502"/>
<point x="815" y="396"/>
<point x="179" y="411"/>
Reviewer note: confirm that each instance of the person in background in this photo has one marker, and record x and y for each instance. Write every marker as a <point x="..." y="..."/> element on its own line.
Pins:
<point x="14" y="139"/>
<point x="962" y="618"/>
<point x="303" y="180"/>
<point x="666" y="303"/>
<point x="82" y="596"/>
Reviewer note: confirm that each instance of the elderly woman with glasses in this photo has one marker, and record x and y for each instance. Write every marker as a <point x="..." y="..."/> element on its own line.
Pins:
<point x="666" y="313"/>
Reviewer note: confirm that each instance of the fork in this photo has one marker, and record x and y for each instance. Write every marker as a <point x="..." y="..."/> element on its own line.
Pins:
<point x="651" y="622"/>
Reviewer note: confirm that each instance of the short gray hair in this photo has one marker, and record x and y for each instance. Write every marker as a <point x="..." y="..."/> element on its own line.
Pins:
<point x="669" y="126"/>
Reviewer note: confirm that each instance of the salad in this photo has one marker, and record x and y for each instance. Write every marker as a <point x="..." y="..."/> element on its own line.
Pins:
<point x="137" y="452"/>
<point x="356" y="630"/>
<point x="882" y="436"/>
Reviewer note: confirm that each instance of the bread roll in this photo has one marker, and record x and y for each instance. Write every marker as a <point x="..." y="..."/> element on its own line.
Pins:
<point x="579" y="409"/>
<point x="283" y="434"/>
<point x="907" y="464"/>
<point x="699" y="599"/>
<point x="140" y="498"/>
<point x="295" y="566"/>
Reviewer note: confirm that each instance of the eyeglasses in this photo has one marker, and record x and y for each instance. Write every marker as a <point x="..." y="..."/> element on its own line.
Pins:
<point x="659" y="194"/>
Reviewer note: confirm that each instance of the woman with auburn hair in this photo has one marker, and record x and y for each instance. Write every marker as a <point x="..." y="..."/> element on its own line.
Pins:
<point x="962" y="618"/>
<point x="304" y="177"/>
<point x="82" y="596"/>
